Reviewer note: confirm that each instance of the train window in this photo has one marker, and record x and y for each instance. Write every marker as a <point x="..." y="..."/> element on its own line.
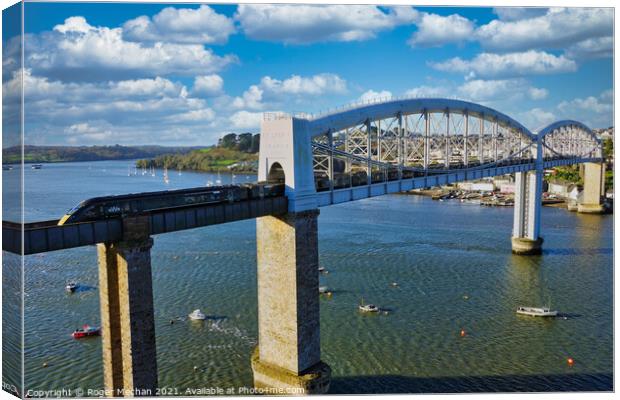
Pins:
<point x="75" y="208"/>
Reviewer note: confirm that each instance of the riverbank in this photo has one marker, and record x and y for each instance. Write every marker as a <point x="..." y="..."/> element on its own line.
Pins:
<point x="211" y="159"/>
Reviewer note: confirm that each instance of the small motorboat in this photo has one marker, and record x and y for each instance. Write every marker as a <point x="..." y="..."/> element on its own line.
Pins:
<point x="537" y="312"/>
<point x="370" y="308"/>
<point x="197" y="315"/>
<point x="323" y="289"/>
<point x="71" y="286"/>
<point x="321" y="269"/>
<point x="86" y="331"/>
<point x="37" y="166"/>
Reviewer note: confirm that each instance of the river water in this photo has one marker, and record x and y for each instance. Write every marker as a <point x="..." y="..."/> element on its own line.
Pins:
<point x="452" y="263"/>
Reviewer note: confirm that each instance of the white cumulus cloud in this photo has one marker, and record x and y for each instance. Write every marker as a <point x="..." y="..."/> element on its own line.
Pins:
<point x="436" y="30"/>
<point x="78" y="51"/>
<point x="557" y="28"/>
<point x="599" y="105"/>
<point x="313" y="85"/>
<point x="430" y="91"/>
<point x="371" y="95"/>
<point x="275" y="91"/>
<point x="517" y="13"/>
<point x="536" y="119"/>
<point x="246" y="120"/>
<point x="490" y="65"/>
<point x="602" y="47"/>
<point x="300" y="24"/>
<point x="129" y="111"/>
<point x="208" y="85"/>
<point x="181" y="25"/>
<point x="594" y="111"/>
<point x="479" y="90"/>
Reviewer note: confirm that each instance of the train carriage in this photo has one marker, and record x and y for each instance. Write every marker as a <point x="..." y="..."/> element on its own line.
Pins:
<point x="135" y="204"/>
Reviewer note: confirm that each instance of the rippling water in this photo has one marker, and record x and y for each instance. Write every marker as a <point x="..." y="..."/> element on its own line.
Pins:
<point x="452" y="263"/>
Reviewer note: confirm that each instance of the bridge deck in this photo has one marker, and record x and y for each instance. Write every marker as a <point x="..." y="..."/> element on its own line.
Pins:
<point x="336" y="196"/>
<point x="40" y="237"/>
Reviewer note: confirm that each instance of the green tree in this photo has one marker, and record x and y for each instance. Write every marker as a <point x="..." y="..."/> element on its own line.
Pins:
<point x="255" y="143"/>
<point x="229" y="141"/>
<point x="244" y="142"/>
<point x="608" y="148"/>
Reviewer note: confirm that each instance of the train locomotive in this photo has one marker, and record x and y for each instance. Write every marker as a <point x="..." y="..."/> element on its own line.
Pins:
<point x="106" y="207"/>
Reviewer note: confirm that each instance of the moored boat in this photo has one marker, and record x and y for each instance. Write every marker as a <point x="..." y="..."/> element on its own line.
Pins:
<point x="86" y="331"/>
<point x="537" y="311"/>
<point x="368" y="308"/>
<point x="197" y="315"/>
<point x="71" y="286"/>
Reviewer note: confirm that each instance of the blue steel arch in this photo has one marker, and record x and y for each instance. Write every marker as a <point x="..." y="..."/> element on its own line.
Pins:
<point x="355" y="116"/>
<point x="565" y="123"/>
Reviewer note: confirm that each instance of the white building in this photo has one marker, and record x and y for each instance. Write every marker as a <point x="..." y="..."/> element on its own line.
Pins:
<point x="563" y="189"/>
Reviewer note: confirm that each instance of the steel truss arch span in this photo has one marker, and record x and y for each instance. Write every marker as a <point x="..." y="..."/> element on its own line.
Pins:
<point x="569" y="139"/>
<point x="401" y="144"/>
<point x="345" y="119"/>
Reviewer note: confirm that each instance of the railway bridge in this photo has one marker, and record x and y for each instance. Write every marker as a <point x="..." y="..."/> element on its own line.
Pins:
<point x="350" y="154"/>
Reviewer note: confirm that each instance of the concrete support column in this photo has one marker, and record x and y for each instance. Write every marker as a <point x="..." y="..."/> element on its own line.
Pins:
<point x="528" y="201"/>
<point x="593" y="188"/>
<point x="289" y="354"/>
<point x="127" y="317"/>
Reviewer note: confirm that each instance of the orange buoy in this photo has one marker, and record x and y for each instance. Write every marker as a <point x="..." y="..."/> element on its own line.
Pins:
<point x="463" y="333"/>
<point x="570" y="361"/>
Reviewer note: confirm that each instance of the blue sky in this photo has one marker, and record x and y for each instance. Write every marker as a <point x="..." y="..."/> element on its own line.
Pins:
<point x="186" y="74"/>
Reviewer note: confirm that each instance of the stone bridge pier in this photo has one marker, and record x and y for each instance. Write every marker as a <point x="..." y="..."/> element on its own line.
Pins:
<point x="127" y="317"/>
<point x="526" y="238"/>
<point x="593" y="175"/>
<point x="288" y="357"/>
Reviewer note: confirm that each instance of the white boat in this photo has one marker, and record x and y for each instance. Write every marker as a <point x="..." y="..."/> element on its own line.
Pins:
<point x="323" y="289"/>
<point x="368" y="308"/>
<point x="197" y="315"/>
<point x="321" y="269"/>
<point x="537" y="312"/>
<point x="166" y="179"/>
<point x="71" y="286"/>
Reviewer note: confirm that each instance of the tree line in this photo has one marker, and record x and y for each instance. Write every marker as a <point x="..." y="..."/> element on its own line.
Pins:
<point x="244" y="142"/>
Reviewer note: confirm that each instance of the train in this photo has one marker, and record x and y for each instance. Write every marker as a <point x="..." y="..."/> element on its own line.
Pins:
<point x="106" y="207"/>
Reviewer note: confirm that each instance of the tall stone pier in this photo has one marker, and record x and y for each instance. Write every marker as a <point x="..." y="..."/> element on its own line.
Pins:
<point x="593" y="188"/>
<point x="288" y="357"/>
<point x="127" y="317"/>
<point x="526" y="238"/>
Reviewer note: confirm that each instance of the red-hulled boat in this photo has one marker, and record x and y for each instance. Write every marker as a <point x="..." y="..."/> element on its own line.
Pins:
<point x="86" y="331"/>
